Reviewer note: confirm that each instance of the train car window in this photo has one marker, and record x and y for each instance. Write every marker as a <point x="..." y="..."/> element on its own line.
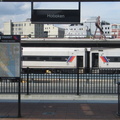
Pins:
<point x="42" y="58"/>
<point x="24" y="58"/>
<point x="56" y="58"/>
<point x="119" y="59"/>
<point x="116" y="59"/>
<point x="113" y="59"/>
<point x="64" y="58"/>
<point x="29" y="58"/>
<point x="45" y="58"/>
<point x="37" y="58"/>
<point x="59" y="58"/>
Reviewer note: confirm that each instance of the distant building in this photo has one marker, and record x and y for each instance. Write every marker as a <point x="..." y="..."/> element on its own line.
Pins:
<point x="82" y="30"/>
<point x="53" y="31"/>
<point x="25" y="29"/>
<point x="87" y="29"/>
<point x="115" y="30"/>
<point x="76" y="30"/>
<point x="106" y="27"/>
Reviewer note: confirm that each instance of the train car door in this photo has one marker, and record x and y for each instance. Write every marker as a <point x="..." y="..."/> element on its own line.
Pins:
<point x="79" y="61"/>
<point x="95" y="60"/>
<point x="87" y="61"/>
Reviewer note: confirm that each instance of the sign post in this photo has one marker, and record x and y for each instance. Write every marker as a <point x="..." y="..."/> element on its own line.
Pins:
<point x="10" y="61"/>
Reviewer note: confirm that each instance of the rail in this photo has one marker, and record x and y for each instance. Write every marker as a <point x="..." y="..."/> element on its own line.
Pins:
<point x="64" y="81"/>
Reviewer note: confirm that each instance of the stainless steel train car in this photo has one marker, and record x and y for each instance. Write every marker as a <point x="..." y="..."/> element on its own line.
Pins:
<point x="60" y="58"/>
<point x="105" y="58"/>
<point x="34" y="57"/>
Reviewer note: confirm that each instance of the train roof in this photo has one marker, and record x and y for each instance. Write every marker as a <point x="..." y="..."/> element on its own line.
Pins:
<point x="52" y="49"/>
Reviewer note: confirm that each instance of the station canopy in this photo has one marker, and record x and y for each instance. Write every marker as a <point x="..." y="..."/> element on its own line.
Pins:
<point x="58" y="0"/>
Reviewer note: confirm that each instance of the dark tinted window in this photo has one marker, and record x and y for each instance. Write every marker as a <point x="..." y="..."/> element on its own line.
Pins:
<point x="113" y="59"/>
<point x="45" y="58"/>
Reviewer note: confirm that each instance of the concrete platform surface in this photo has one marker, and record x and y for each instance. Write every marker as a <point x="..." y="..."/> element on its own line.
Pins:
<point x="59" y="107"/>
<point x="59" y="111"/>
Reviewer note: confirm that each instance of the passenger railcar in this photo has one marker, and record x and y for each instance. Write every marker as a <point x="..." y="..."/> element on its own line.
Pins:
<point x="105" y="58"/>
<point x="61" y="58"/>
<point x="35" y="57"/>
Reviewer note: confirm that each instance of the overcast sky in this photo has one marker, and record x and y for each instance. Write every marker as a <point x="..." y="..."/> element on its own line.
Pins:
<point x="19" y="11"/>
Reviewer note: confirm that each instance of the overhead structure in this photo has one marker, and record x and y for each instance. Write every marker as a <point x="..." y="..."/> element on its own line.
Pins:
<point x="58" y="0"/>
<point x="70" y="43"/>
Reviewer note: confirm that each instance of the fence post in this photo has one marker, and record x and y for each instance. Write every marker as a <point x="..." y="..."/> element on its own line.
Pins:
<point x="118" y="113"/>
<point x="77" y="81"/>
<point x="19" y="98"/>
<point x="27" y="80"/>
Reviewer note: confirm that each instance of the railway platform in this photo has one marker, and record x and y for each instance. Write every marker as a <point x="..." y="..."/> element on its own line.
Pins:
<point x="50" y="107"/>
<point x="59" y="111"/>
